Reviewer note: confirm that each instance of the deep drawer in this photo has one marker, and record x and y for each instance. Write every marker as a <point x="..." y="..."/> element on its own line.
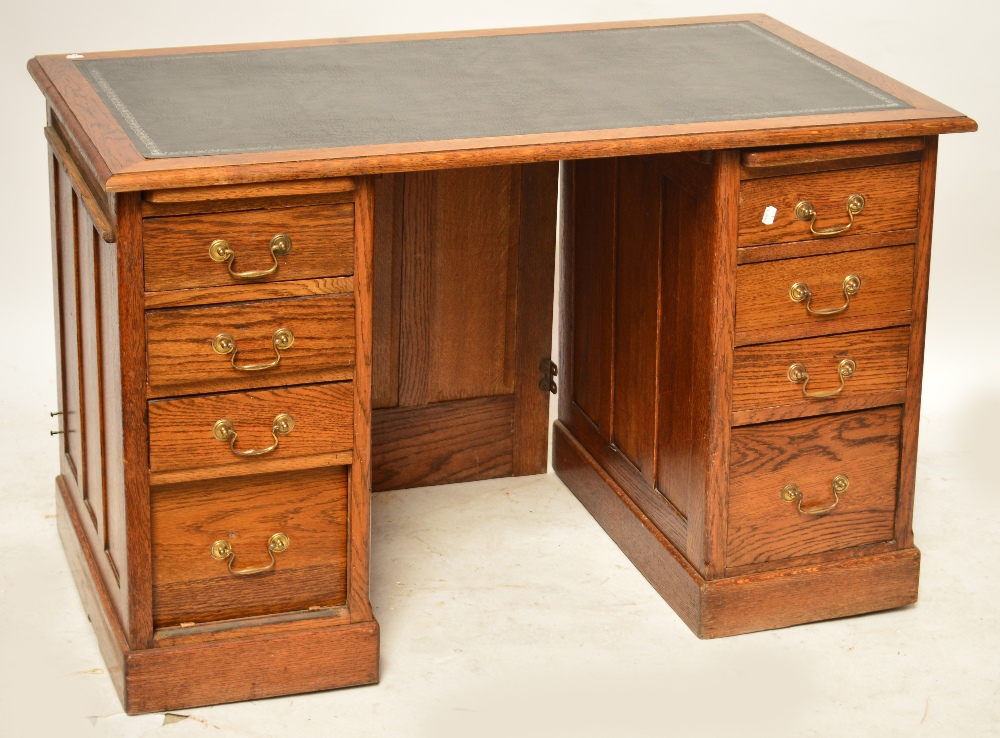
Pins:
<point x="185" y="442"/>
<point x="764" y="291"/>
<point x="863" y="447"/>
<point x="211" y="349"/>
<point x="832" y="373"/>
<point x="190" y="585"/>
<point x="177" y="248"/>
<point x="890" y="203"/>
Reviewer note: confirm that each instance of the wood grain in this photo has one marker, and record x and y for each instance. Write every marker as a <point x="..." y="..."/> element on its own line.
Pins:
<point x="95" y="202"/>
<point x="310" y="507"/>
<point x="663" y="566"/>
<point x="360" y="479"/>
<point x="636" y="288"/>
<point x="241" y="293"/>
<point x="733" y="605"/>
<point x="918" y="327"/>
<point x="312" y="660"/>
<point x="459" y="284"/>
<point x="182" y="360"/>
<point x="818" y="247"/>
<point x="387" y="226"/>
<point x="771" y="162"/>
<point x="181" y="440"/>
<point x="762" y="391"/>
<point x="177" y="257"/>
<point x="662" y="513"/>
<point x="890" y="194"/>
<point x="863" y="446"/>
<point x="763" y="302"/>
<point x="805" y="595"/>
<point x="591" y="329"/>
<point x="443" y="443"/>
<point x="242" y="192"/>
<point x="152" y="209"/>
<point x="536" y="252"/>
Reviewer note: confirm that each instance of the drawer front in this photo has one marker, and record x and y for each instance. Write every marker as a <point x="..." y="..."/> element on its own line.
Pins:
<point x="764" y="290"/>
<point x="890" y="203"/>
<point x="192" y="586"/>
<point x="861" y="446"/>
<point x="839" y="372"/>
<point x="176" y="248"/>
<point x="184" y="442"/>
<point x="186" y="354"/>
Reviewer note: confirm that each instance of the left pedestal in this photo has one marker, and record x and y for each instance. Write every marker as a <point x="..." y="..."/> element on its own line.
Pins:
<point x="214" y="384"/>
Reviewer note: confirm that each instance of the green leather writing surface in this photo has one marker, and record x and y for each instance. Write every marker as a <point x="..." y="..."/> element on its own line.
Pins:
<point x="442" y="89"/>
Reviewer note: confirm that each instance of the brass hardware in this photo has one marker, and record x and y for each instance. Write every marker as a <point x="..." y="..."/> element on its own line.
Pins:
<point x="805" y="211"/>
<point x="222" y="550"/>
<point x="800" y="291"/>
<point x="797" y="373"/>
<point x="221" y="251"/>
<point x="224" y="430"/>
<point x="549" y="372"/>
<point x="225" y="344"/>
<point x="792" y="493"/>
<point x="56" y="433"/>
<point x="57" y="412"/>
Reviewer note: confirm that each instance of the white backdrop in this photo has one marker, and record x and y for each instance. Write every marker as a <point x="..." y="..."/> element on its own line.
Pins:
<point x="946" y="50"/>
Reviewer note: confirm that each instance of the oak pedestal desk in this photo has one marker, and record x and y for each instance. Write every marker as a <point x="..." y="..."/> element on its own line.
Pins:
<point x="289" y="274"/>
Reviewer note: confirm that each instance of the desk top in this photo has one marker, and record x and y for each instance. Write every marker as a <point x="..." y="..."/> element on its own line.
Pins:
<point x="324" y="108"/>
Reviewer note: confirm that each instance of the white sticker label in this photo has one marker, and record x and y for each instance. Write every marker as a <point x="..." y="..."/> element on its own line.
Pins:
<point x="769" y="212"/>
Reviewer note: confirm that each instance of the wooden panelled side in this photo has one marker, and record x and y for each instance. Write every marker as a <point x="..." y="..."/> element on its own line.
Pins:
<point x="460" y="264"/>
<point x="90" y="373"/>
<point x="464" y="271"/>
<point x="918" y="327"/>
<point x="593" y="279"/>
<point x="636" y="312"/>
<point x="387" y="234"/>
<point x="653" y="259"/>
<point x="92" y="468"/>
<point x="683" y="386"/>
<point x="65" y="233"/>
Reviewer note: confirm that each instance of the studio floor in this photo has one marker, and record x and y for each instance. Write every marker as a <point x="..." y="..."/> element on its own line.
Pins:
<point x="506" y="611"/>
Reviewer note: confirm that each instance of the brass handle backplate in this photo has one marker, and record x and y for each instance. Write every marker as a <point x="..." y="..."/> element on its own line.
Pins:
<point x="797" y="373"/>
<point x="225" y="344"/>
<point x="224" y="430"/>
<point x="221" y="251"/>
<point x="805" y="211"/>
<point x="222" y="550"/>
<point x="800" y="292"/>
<point x="792" y="493"/>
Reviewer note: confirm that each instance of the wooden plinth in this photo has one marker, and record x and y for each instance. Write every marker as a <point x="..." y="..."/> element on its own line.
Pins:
<point x="256" y="666"/>
<point x="724" y="607"/>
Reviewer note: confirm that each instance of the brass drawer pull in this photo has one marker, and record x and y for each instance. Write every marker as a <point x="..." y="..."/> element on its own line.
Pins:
<point x="797" y="373"/>
<point x="792" y="493"/>
<point x="225" y="344"/>
<point x="221" y="251"/>
<point x="222" y="550"/>
<point x="805" y="211"/>
<point x="800" y="291"/>
<point x="224" y="430"/>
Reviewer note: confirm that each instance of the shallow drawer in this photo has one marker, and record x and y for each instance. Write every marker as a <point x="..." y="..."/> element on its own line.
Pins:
<point x="890" y="203"/>
<point x="288" y="428"/>
<point x="765" y="291"/>
<point x="191" y="585"/>
<point x="250" y="344"/>
<point x="861" y="447"/>
<point x="320" y="240"/>
<point x="847" y="371"/>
